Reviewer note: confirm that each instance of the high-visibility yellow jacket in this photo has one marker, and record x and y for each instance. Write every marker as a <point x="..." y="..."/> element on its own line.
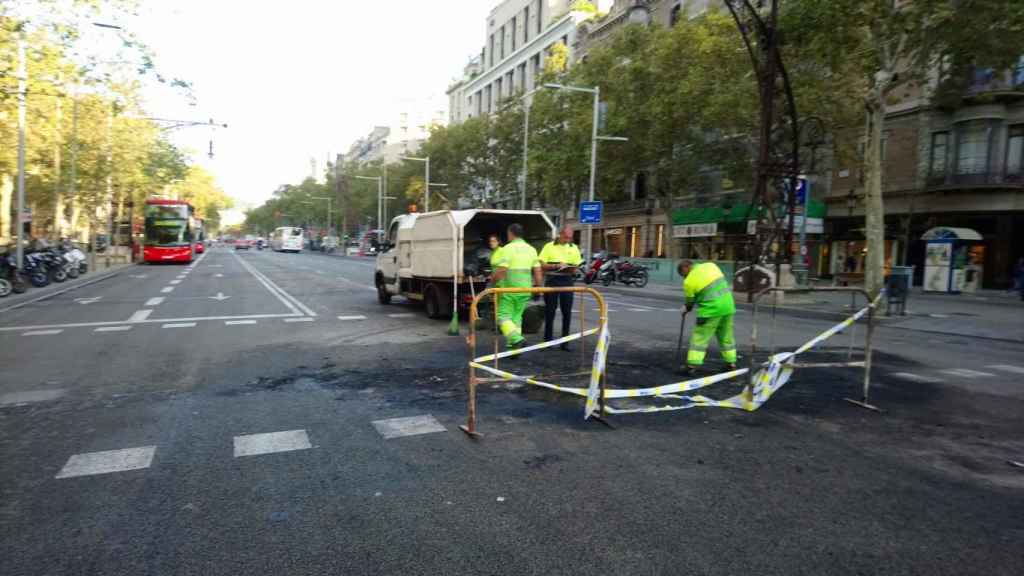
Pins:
<point x="567" y="254"/>
<point x="707" y="288"/>
<point x="519" y="258"/>
<point x="495" y="255"/>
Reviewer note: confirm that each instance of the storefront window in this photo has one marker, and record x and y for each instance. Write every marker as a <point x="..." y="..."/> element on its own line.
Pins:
<point x="972" y="147"/>
<point x="1015" y="151"/>
<point x="940" y="143"/>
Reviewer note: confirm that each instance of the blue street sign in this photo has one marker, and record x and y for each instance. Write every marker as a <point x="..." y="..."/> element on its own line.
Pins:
<point x="801" y="191"/>
<point x="591" y="212"/>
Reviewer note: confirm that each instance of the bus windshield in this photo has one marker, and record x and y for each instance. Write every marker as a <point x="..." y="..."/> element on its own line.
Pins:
<point x="168" y="232"/>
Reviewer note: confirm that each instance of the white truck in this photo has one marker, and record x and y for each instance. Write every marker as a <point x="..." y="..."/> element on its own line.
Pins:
<point x="441" y="258"/>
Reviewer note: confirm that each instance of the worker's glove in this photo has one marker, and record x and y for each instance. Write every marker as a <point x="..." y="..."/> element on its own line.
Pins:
<point x="689" y="308"/>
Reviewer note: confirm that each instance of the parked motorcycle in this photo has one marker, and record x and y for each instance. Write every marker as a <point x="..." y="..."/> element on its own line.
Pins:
<point x="630" y="274"/>
<point x="36" y="270"/>
<point x="597" y="263"/>
<point x="10" y="279"/>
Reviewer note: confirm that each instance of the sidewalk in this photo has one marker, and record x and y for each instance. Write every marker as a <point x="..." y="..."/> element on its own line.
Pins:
<point x="990" y="314"/>
<point x="33" y="294"/>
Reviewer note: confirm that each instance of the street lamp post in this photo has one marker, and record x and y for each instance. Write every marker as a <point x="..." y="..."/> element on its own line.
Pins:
<point x="526" y="139"/>
<point x="380" y="197"/>
<point x="594" y="139"/>
<point x="426" y="180"/>
<point x="22" y="82"/>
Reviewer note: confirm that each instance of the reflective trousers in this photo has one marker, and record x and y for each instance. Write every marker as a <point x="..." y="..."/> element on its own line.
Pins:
<point x="704" y="331"/>
<point x="510" y="316"/>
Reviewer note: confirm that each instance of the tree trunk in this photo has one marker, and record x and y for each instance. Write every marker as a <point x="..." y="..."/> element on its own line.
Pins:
<point x="874" y="263"/>
<point x="6" y="194"/>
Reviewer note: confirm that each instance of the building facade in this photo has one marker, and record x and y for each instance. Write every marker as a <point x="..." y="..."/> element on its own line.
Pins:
<point x="953" y="164"/>
<point x="519" y="35"/>
<point x="404" y="133"/>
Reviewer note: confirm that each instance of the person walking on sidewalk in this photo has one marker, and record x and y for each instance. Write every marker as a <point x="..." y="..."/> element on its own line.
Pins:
<point x="559" y="259"/>
<point x="708" y="289"/>
<point x="517" y="266"/>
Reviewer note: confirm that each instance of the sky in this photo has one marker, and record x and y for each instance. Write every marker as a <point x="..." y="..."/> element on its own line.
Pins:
<point x="298" y="79"/>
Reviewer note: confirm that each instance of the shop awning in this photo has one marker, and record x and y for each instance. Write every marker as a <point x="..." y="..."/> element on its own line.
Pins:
<point x="943" y="233"/>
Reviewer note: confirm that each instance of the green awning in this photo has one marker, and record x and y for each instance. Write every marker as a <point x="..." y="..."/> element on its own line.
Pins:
<point x="737" y="213"/>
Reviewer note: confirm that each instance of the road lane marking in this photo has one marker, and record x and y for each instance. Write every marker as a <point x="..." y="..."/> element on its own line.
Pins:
<point x="410" y="426"/>
<point x="357" y="284"/>
<point x="29" y="396"/>
<point x="238" y="322"/>
<point x="140" y="315"/>
<point x="92" y="463"/>
<point x="154" y="301"/>
<point x="358" y="317"/>
<point x="76" y="286"/>
<point x="153" y="321"/>
<point x="271" y="442"/>
<point x="304" y="319"/>
<point x="167" y="289"/>
<point x="1007" y="368"/>
<point x="92" y="300"/>
<point x="175" y="282"/>
<point x="401" y="315"/>
<point x="287" y="299"/>
<point x="915" y="377"/>
<point x="42" y="333"/>
<point x="113" y="329"/>
<point x="639" y="310"/>
<point x="965" y="373"/>
<point x="180" y="325"/>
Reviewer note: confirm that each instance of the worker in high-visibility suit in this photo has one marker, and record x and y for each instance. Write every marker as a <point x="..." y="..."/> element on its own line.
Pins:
<point x="707" y="288"/>
<point x="517" y="266"/>
<point x="494" y="243"/>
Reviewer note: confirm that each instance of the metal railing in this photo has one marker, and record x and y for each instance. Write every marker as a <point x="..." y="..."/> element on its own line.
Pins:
<point x="471" y="340"/>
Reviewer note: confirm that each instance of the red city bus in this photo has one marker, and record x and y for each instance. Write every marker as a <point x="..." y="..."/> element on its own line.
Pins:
<point x="170" y="228"/>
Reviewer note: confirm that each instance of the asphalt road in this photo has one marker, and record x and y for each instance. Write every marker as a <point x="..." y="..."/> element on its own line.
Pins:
<point x="260" y="413"/>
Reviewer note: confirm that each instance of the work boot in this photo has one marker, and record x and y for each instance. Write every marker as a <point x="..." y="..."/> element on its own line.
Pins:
<point x="688" y="371"/>
<point x="730" y="368"/>
<point x="515" y="346"/>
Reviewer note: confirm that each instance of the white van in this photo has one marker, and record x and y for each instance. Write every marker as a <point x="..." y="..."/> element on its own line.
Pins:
<point x="287" y="239"/>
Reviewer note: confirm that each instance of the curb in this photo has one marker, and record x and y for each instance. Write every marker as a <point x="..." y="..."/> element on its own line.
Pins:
<point x="64" y="288"/>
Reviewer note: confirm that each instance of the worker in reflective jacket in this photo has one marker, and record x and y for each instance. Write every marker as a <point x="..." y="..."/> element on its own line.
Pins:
<point x="517" y="266"/>
<point x="708" y="289"/>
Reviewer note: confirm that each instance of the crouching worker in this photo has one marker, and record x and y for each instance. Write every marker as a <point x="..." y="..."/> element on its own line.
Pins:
<point x="708" y="289"/>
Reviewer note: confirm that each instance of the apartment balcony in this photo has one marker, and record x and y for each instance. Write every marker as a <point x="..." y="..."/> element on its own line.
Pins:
<point x="990" y="83"/>
<point x="988" y="179"/>
<point x="645" y="205"/>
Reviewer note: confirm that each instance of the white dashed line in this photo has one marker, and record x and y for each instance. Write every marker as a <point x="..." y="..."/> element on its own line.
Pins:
<point x="239" y="322"/>
<point x="180" y="325"/>
<point x="42" y="333"/>
<point x="140" y="315"/>
<point x="639" y="310"/>
<point x="269" y="443"/>
<point x="1007" y="368"/>
<point x="914" y="377"/>
<point x="155" y="301"/>
<point x="965" y="373"/>
<point x="175" y="282"/>
<point x="298" y="319"/>
<point x="167" y="290"/>
<point x="402" y="315"/>
<point x="93" y="463"/>
<point x="359" y="317"/>
<point x="29" y="396"/>
<point x="411" y="426"/>
<point x="113" y="329"/>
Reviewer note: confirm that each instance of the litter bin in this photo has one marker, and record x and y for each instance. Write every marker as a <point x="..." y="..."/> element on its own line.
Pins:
<point x="897" y="289"/>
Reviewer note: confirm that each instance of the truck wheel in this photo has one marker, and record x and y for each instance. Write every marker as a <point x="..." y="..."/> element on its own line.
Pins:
<point x="432" y="302"/>
<point x="382" y="293"/>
